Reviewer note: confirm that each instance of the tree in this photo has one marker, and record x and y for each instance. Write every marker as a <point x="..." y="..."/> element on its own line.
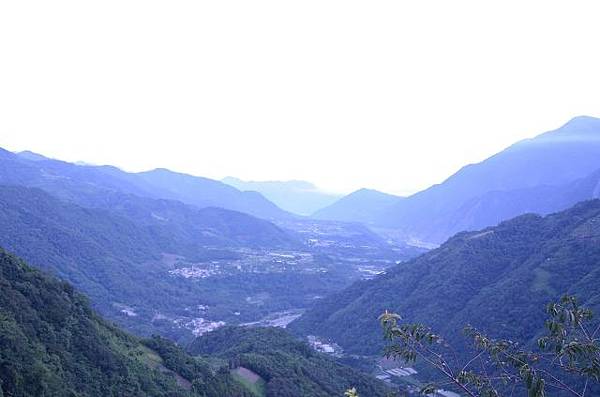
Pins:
<point x="568" y="356"/>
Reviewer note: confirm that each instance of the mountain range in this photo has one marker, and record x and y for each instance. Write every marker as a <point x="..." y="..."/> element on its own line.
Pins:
<point x="82" y="184"/>
<point x="161" y="265"/>
<point x="186" y="257"/>
<point x="544" y="174"/>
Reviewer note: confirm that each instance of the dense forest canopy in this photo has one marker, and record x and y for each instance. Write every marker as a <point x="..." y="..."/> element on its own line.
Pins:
<point x="289" y="367"/>
<point x="487" y="278"/>
<point x="53" y="344"/>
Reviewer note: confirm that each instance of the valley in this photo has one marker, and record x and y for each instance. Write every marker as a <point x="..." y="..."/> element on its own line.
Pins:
<point x="226" y="293"/>
<point x="249" y="286"/>
<point x="160" y="266"/>
<point x="299" y="198"/>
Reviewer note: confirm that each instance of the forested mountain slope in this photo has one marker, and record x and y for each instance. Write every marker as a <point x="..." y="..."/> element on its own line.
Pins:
<point x="289" y="367"/>
<point x="53" y="344"/>
<point x="497" y="279"/>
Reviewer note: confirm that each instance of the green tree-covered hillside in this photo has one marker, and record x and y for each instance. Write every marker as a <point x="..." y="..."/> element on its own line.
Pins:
<point x="53" y="344"/>
<point x="497" y="280"/>
<point x="290" y="368"/>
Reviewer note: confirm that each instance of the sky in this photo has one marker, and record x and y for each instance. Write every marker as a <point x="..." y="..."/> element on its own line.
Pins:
<point x="391" y="95"/>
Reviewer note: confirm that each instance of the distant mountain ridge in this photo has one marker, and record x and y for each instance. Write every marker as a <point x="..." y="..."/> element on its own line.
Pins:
<point x="76" y="182"/>
<point x="29" y="155"/>
<point x="359" y="206"/>
<point x="497" y="206"/>
<point x="533" y="175"/>
<point x="554" y="158"/>
<point x="205" y="192"/>
<point x="299" y="197"/>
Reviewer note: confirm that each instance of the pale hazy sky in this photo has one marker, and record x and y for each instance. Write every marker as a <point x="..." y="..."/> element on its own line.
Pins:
<point x="393" y="95"/>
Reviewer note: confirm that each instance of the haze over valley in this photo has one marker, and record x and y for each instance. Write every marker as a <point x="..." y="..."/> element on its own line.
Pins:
<point x="299" y="199"/>
<point x="181" y="256"/>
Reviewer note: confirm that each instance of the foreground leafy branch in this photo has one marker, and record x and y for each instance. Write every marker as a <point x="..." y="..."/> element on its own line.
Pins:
<point x="568" y="358"/>
<point x="351" y="393"/>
